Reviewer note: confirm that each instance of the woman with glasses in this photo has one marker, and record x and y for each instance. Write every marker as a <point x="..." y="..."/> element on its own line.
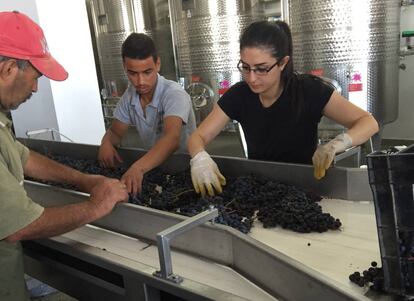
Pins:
<point x="278" y="109"/>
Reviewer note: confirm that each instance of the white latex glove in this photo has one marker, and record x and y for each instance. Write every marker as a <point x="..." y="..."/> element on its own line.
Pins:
<point x="205" y="174"/>
<point x="324" y="154"/>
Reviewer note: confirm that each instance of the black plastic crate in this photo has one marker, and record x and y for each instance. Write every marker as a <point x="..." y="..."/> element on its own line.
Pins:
<point x="384" y="208"/>
<point x="391" y="177"/>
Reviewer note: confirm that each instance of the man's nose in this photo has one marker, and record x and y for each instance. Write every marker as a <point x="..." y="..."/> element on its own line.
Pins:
<point x="139" y="79"/>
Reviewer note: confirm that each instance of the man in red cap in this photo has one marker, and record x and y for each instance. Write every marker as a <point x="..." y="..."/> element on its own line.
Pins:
<point x="24" y="57"/>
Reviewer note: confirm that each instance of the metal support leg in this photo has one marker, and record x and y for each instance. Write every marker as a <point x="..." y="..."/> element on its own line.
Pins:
<point x="375" y="142"/>
<point x="151" y="294"/>
<point x="242" y="139"/>
<point x="164" y="237"/>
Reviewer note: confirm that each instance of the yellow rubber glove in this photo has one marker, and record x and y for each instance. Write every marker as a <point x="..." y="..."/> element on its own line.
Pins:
<point x="205" y="174"/>
<point x="324" y="154"/>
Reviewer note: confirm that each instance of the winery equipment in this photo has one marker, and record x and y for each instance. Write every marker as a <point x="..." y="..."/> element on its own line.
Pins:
<point x="342" y="183"/>
<point x="354" y="43"/>
<point x="206" y="40"/>
<point x="202" y="98"/>
<point x="116" y="257"/>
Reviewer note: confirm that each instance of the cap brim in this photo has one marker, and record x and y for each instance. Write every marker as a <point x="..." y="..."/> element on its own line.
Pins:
<point x="50" y="68"/>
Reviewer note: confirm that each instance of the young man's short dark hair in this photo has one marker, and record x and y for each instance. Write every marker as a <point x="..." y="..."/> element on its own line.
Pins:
<point x="139" y="46"/>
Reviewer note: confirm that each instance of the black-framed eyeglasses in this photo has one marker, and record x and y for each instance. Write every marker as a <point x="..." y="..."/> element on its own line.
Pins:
<point x="245" y="69"/>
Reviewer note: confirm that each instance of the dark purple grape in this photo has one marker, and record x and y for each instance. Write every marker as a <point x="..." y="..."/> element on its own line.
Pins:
<point x="276" y="204"/>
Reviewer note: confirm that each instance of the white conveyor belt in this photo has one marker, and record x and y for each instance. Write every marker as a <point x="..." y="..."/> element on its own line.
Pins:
<point x="336" y="254"/>
<point x="199" y="270"/>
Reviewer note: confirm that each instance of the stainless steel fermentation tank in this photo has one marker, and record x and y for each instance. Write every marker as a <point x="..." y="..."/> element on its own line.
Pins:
<point x="112" y="21"/>
<point x="205" y="37"/>
<point x="355" y="43"/>
<point x="206" y="42"/>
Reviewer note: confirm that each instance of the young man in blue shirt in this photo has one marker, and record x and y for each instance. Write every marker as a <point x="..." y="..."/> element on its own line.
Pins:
<point x="159" y="108"/>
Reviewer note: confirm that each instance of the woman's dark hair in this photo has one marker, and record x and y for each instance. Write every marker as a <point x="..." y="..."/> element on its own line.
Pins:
<point x="276" y="38"/>
<point x="139" y="46"/>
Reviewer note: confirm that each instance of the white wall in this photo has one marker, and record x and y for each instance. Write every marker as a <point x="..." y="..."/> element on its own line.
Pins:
<point x="403" y="127"/>
<point x="73" y="107"/>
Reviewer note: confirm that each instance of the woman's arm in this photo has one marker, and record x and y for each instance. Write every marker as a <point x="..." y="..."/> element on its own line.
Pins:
<point x="207" y="130"/>
<point x="361" y="125"/>
<point x="205" y="175"/>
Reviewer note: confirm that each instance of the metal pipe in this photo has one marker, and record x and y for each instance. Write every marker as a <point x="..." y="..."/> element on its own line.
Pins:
<point x="285" y="10"/>
<point x="29" y="134"/>
<point x="164" y="237"/>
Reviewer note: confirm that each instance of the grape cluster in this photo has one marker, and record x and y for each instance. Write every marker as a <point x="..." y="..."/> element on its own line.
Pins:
<point x="243" y="199"/>
<point x="373" y="276"/>
<point x="294" y="209"/>
<point x="89" y="166"/>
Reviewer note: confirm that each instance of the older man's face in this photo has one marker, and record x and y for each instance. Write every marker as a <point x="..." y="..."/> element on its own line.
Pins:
<point x="18" y="87"/>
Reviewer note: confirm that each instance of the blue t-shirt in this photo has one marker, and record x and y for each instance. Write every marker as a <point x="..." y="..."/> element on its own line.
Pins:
<point x="169" y="99"/>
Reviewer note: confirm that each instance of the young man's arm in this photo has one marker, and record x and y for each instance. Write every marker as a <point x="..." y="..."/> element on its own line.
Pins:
<point x="108" y="156"/>
<point x="162" y="149"/>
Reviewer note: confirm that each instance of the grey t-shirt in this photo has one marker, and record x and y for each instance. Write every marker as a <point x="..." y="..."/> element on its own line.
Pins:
<point x="169" y="99"/>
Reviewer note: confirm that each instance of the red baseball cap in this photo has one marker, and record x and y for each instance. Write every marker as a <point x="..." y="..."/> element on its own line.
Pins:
<point x="21" y="38"/>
